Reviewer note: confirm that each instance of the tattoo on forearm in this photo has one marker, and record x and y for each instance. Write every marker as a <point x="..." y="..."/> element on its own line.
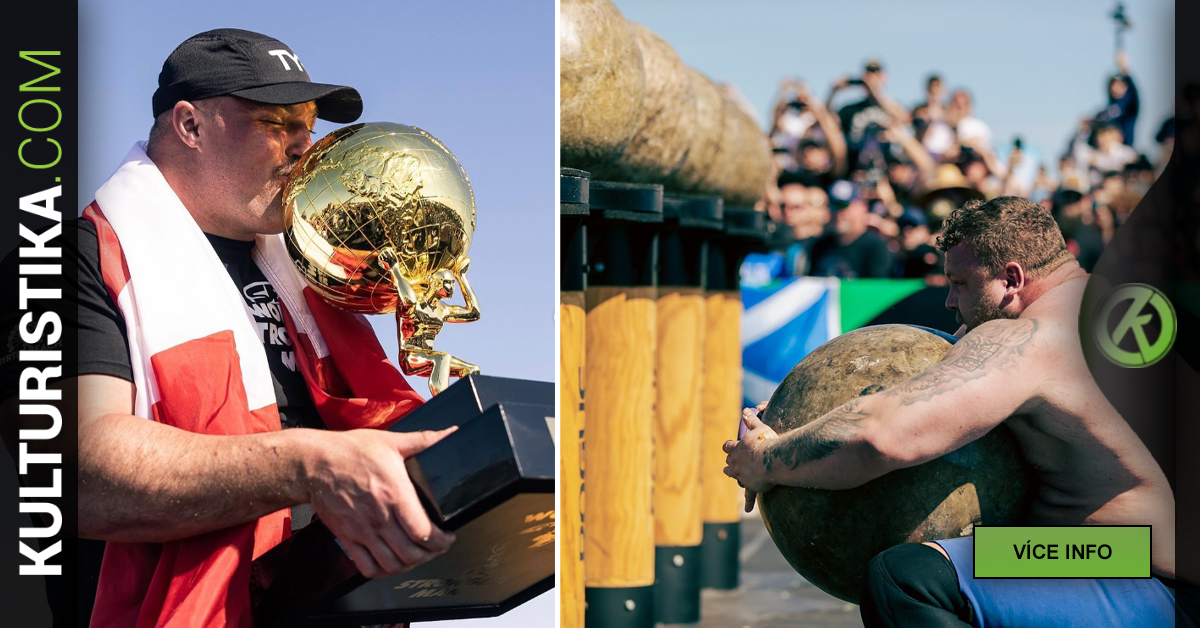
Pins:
<point x="992" y="347"/>
<point x="817" y="439"/>
<point x="986" y="349"/>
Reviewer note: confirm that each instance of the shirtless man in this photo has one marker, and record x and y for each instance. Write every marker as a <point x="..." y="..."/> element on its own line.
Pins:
<point x="1017" y="291"/>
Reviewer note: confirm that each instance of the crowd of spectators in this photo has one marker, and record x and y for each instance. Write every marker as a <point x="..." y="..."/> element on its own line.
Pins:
<point x="863" y="188"/>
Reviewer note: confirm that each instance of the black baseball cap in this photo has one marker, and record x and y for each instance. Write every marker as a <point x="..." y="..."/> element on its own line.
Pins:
<point x="234" y="62"/>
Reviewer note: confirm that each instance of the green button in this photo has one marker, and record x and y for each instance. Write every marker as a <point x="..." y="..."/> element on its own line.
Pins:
<point x="1062" y="552"/>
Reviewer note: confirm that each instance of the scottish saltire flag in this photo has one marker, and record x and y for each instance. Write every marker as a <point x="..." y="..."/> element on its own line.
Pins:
<point x="782" y="323"/>
<point x="786" y="319"/>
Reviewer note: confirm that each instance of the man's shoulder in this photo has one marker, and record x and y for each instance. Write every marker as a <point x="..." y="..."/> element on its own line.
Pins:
<point x="1006" y="331"/>
<point x="1028" y="341"/>
<point x="1043" y="334"/>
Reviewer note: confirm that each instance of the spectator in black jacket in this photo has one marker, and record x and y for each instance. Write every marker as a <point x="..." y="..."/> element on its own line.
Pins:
<point x="853" y="249"/>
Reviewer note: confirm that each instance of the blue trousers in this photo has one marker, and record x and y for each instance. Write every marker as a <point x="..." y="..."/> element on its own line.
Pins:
<point x="1056" y="602"/>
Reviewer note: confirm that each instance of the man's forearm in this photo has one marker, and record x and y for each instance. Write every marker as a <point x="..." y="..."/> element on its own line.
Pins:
<point x="833" y="452"/>
<point x="140" y="480"/>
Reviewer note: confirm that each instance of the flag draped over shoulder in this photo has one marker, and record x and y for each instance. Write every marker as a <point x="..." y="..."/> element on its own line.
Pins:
<point x="198" y="365"/>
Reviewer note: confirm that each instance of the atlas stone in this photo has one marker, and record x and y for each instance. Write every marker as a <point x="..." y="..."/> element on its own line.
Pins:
<point x="751" y="160"/>
<point x="664" y="134"/>
<point x="701" y="171"/>
<point x="601" y="83"/>
<point x="829" y="536"/>
<point x="734" y="158"/>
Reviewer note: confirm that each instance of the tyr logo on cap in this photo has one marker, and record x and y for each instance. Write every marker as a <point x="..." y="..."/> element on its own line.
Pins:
<point x="235" y="62"/>
<point x="280" y="54"/>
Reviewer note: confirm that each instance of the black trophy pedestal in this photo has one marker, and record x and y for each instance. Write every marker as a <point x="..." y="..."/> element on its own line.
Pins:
<point x="491" y="482"/>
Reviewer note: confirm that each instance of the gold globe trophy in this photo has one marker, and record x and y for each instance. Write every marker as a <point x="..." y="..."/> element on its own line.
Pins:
<point x="379" y="219"/>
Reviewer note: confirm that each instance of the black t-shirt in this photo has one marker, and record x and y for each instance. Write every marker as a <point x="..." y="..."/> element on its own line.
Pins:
<point x="867" y="256"/>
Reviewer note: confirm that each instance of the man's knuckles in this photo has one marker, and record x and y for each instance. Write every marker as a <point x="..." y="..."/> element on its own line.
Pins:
<point x="389" y="562"/>
<point x="411" y="443"/>
<point x="413" y="555"/>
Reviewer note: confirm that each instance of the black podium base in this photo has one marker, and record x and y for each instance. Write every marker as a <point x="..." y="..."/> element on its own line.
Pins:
<point x="627" y="607"/>
<point x="677" y="584"/>
<point x="719" y="555"/>
<point x="492" y="482"/>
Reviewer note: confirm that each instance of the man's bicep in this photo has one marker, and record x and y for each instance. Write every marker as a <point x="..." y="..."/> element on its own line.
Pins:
<point x="985" y="378"/>
<point x="103" y="395"/>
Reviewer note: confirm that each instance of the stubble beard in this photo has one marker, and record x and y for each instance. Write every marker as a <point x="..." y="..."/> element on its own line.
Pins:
<point x="274" y="213"/>
<point x="983" y="313"/>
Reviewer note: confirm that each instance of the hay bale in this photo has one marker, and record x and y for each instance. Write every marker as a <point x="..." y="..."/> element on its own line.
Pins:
<point x="601" y="82"/>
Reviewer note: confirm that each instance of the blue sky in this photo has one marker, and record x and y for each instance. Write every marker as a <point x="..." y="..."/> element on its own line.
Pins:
<point x="478" y="75"/>
<point x="1034" y="67"/>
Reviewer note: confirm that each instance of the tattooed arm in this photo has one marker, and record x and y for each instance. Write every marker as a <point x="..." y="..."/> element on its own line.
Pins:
<point x="986" y="377"/>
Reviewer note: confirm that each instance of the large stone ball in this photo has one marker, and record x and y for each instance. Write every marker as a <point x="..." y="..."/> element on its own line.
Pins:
<point x="830" y="536"/>
<point x="699" y="172"/>
<point x="601" y="83"/>
<point x="750" y="161"/>
<point x="664" y="133"/>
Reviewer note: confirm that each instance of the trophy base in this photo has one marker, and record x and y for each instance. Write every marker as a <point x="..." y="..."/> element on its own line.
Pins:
<point x="677" y="584"/>
<point x="491" y="481"/>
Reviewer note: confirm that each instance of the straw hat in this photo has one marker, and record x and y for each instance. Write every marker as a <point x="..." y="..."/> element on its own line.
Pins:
<point x="947" y="179"/>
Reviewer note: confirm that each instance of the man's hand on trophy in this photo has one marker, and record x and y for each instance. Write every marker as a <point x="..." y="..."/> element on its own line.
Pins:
<point x="360" y="489"/>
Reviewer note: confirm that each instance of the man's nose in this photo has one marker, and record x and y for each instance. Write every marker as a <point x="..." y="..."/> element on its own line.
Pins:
<point x="951" y="300"/>
<point x="301" y="142"/>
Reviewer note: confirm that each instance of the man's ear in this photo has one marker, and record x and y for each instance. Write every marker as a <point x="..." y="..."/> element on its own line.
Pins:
<point x="1014" y="277"/>
<point x="186" y="123"/>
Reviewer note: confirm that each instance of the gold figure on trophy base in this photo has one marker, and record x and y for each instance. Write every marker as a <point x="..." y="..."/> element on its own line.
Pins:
<point x="420" y="317"/>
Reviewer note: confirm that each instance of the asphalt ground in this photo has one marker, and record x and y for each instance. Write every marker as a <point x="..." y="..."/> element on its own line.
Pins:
<point x="772" y="594"/>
